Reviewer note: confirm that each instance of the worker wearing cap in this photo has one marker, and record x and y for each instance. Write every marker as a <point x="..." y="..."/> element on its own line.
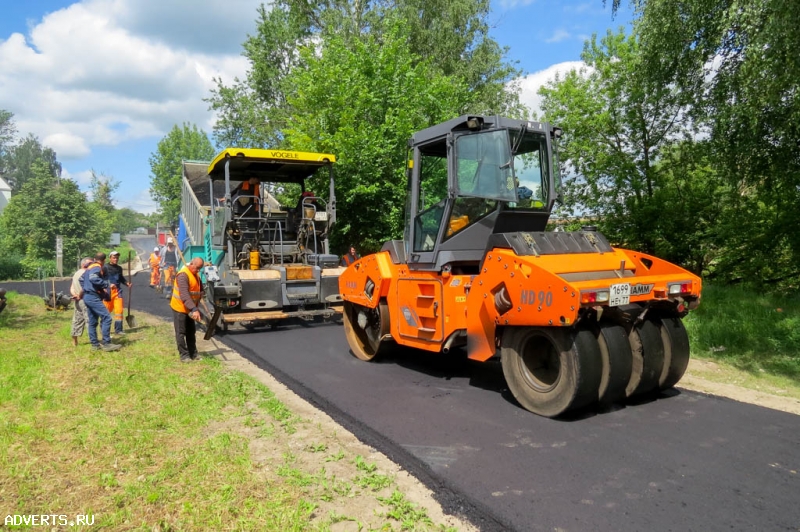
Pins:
<point x="187" y="292"/>
<point x="169" y="262"/>
<point x="115" y="280"/>
<point x="79" y="317"/>
<point x="155" y="267"/>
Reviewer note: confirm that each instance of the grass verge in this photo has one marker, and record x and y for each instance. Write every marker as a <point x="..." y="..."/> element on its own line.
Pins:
<point x="752" y="331"/>
<point x="140" y="441"/>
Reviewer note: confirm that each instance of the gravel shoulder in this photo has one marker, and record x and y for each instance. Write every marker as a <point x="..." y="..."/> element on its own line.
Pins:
<point x="321" y="428"/>
<point x="708" y="377"/>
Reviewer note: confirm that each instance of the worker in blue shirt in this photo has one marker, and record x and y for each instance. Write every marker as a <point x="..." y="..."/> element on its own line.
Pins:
<point x="96" y="290"/>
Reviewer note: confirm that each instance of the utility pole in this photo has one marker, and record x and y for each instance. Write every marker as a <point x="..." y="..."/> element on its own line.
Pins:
<point x="60" y="255"/>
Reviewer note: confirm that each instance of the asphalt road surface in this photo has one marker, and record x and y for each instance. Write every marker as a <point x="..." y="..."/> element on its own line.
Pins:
<point x="680" y="461"/>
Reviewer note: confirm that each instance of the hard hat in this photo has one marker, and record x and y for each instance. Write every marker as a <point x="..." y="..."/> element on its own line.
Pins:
<point x="155" y="248"/>
<point x="169" y="240"/>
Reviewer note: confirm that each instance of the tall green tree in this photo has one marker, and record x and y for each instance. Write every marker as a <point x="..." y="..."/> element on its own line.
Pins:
<point x="452" y="36"/>
<point x="17" y="163"/>
<point x="181" y="143"/>
<point x="389" y="93"/>
<point x="737" y="65"/>
<point x="46" y="207"/>
<point x="628" y="152"/>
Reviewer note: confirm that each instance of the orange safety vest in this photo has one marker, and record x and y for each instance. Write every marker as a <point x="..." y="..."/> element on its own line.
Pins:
<point x="89" y="267"/>
<point x="194" y="291"/>
<point x="256" y="192"/>
<point x="155" y="260"/>
<point x="349" y="259"/>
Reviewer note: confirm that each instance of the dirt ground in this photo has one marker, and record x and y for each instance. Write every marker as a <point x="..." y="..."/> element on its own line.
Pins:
<point x="322" y="428"/>
<point x="700" y="377"/>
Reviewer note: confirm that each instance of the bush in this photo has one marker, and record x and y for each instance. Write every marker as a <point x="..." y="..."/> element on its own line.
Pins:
<point x="11" y="267"/>
<point x="38" y="268"/>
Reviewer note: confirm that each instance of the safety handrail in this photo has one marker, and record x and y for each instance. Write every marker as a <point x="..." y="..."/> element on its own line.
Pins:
<point x="192" y="218"/>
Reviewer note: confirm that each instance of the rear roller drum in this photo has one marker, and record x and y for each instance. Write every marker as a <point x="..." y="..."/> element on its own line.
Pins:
<point x="551" y="370"/>
<point x="647" y="358"/>
<point x="615" y="353"/>
<point x="676" y="352"/>
<point x="364" y="327"/>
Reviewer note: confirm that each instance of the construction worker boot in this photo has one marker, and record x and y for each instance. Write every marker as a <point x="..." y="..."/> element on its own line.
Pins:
<point x="111" y="347"/>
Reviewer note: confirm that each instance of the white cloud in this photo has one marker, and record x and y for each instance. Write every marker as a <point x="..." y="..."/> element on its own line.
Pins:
<point x="530" y="84"/>
<point x="142" y="202"/>
<point x="207" y="26"/>
<point x="558" y="36"/>
<point x="82" y="178"/>
<point x="102" y="72"/>
<point x="67" y="145"/>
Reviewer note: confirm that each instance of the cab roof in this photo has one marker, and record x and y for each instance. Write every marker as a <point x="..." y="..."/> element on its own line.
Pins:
<point x="268" y="165"/>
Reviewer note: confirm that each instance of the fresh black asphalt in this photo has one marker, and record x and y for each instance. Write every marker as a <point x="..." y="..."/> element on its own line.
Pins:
<point x="680" y="461"/>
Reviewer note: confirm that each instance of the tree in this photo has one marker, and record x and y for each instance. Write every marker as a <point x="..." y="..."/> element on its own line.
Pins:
<point x="452" y="36"/>
<point x="736" y="64"/>
<point x="17" y="162"/>
<point x="7" y="131"/>
<point x="47" y="207"/>
<point x="181" y="143"/>
<point x="126" y="221"/>
<point x="103" y="188"/>
<point x="617" y="126"/>
<point x="356" y="79"/>
<point x="366" y="120"/>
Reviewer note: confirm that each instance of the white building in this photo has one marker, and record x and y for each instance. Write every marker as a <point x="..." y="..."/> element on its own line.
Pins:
<point x="5" y="194"/>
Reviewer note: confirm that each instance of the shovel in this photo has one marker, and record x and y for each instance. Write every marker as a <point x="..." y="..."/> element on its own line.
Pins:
<point x="130" y="320"/>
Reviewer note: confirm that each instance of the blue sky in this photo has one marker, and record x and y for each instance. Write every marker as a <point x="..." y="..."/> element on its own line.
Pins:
<point x="102" y="81"/>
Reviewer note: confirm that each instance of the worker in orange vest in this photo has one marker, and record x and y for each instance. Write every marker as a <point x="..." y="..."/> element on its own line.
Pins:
<point x="247" y="194"/>
<point x="187" y="292"/>
<point x="155" y="267"/>
<point x="350" y="257"/>
<point x="169" y="262"/>
<point x="116" y="279"/>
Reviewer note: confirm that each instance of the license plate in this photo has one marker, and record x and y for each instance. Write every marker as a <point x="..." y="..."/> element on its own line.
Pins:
<point x="619" y="294"/>
<point x="321" y="216"/>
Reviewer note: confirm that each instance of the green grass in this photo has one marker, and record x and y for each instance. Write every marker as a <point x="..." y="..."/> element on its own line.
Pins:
<point x="747" y="329"/>
<point x="141" y="441"/>
<point x="128" y="436"/>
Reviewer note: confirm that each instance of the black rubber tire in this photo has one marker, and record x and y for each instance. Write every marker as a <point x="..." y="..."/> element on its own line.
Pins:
<point x="676" y="352"/>
<point x="615" y="353"/>
<point x="550" y="370"/>
<point x="647" y="357"/>
<point x="365" y="344"/>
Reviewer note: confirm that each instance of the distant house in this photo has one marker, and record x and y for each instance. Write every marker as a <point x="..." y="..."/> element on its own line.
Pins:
<point x="5" y="194"/>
